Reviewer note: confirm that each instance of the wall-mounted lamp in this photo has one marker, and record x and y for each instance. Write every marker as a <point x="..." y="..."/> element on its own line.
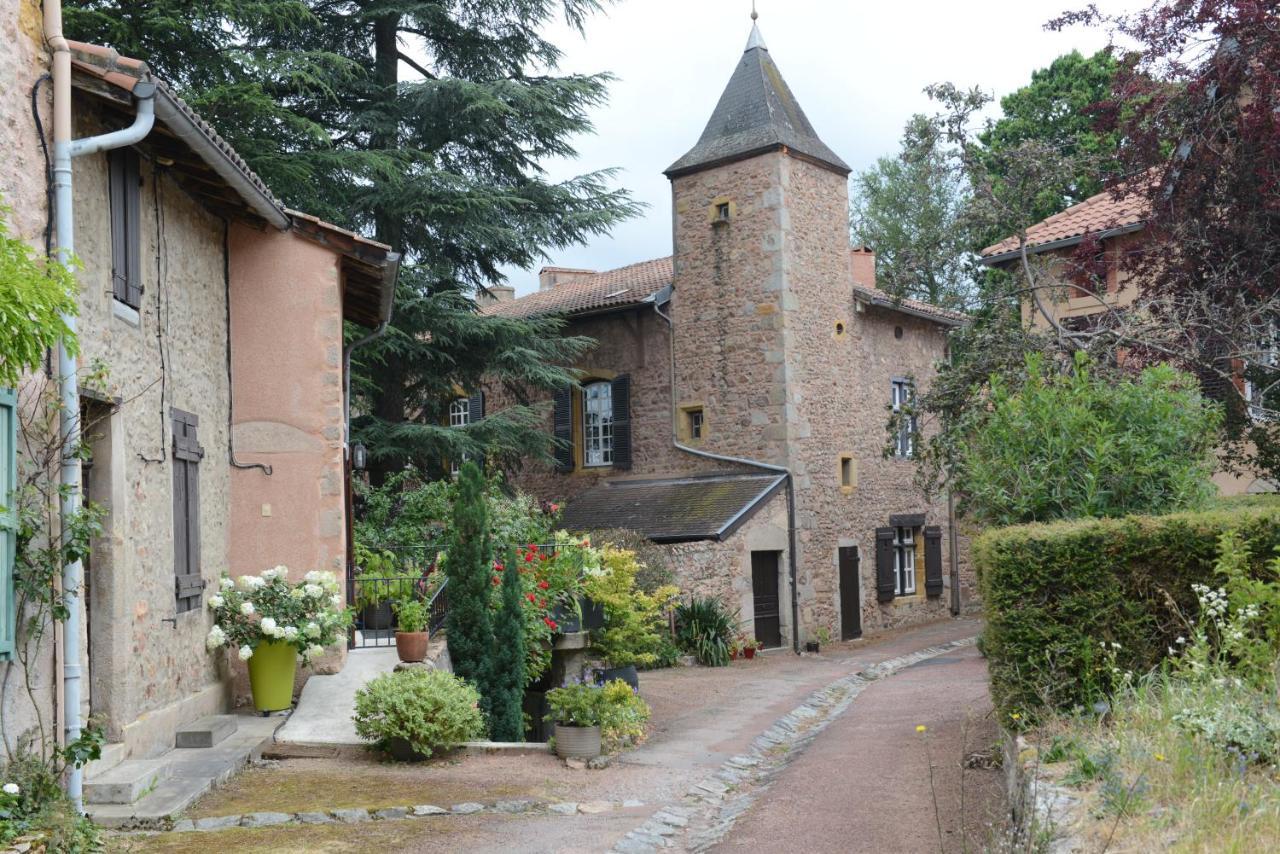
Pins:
<point x="358" y="457"/>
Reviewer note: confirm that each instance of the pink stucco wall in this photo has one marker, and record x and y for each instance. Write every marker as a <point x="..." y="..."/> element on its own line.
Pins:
<point x="286" y="322"/>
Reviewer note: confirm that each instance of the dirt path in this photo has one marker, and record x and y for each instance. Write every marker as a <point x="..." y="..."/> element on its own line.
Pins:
<point x="863" y="785"/>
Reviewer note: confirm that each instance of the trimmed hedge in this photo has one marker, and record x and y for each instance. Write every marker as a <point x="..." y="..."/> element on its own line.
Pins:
<point x="1054" y="592"/>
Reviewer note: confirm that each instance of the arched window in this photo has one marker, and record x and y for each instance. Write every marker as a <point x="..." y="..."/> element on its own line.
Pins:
<point x="459" y="416"/>
<point x="597" y="424"/>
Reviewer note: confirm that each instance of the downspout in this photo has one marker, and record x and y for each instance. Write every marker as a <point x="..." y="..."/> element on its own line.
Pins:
<point x="791" y="490"/>
<point x="64" y="149"/>
<point x="955" y="554"/>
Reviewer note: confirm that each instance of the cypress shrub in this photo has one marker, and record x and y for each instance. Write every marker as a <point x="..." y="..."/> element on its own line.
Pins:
<point x="469" y="566"/>
<point x="1053" y="593"/>
<point x="508" y="675"/>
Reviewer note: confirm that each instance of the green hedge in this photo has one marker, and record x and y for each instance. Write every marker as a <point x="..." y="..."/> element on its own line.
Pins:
<point x="1053" y="593"/>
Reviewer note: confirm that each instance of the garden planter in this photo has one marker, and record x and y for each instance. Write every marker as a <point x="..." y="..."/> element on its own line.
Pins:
<point x="569" y="621"/>
<point x="592" y="615"/>
<point x="271" y="672"/>
<point x="377" y="617"/>
<point x="400" y="750"/>
<point x="411" y="646"/>
<point x="749" y="652"/>
<point x="810" y="646"/>
<point x="578" y="742"/>
<point x="627" y="674"/>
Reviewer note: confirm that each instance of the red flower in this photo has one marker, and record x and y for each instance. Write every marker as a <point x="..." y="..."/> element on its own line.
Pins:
<point x="496" y="581"/>
<point x="497" y="567"/>
<point x="542" y="603"/>
<point x="551" y="624"/>
<point x="544" y="585"/>
<point x="531" y="597"/>
<point x="528" y="558"/>
<point x="545" y="557"/>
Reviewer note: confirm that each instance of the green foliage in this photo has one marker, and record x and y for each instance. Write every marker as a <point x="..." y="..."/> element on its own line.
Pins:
<point x="705" y="629"/>
<point x="579" y="704"/>
<point x="911" y="210"/>
<point x="1054" y="594"/>
<point x="469" y="622"/>
<point x="623" y="715"/>
<point x="506" y="721"/>
<point x="1074" y="444"/>
<point x="34" y="296"/>
<point x="39" y="816"/>
<point x="411" y="615"/>
<point x="1053" y="110"/>
<point x="633" y="618"/>
<point x="429" y="709"/>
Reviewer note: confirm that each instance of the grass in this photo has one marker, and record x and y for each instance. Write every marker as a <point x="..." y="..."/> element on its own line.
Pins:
<point x="1151" y="783"/>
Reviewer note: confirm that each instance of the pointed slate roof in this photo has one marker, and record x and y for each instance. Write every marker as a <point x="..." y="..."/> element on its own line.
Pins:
<point x="757" y="113"/>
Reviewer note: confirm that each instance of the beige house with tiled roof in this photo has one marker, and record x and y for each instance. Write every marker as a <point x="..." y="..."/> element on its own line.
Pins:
<point x="735" y="405"/>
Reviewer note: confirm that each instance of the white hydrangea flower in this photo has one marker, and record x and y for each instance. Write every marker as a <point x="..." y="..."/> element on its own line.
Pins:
<point x="315" y="576"/>
<point x="217" y="637"/>
<point x="246" y="652"/>
<point x="336" y="600"/>
<point x="314" y="591"/>
<point x="215" y="601"/>
<point x="226" y="583"/>
<point x="312" y="630"/>
<point x="290" y="633"/>
<point x="268" y="626"/>
<point x="246" y="608"/>
<point x="12" y="789"/>
<point x="314" y="650"/>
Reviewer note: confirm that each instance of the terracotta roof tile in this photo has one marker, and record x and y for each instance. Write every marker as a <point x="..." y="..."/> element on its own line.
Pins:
<point x="884" y="299"/>
<point x="1102" y="212"/>
<point x="610" y="289"/>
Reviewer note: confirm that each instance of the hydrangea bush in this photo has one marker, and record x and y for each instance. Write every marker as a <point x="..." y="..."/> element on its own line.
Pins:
<point x="255" y="609"/>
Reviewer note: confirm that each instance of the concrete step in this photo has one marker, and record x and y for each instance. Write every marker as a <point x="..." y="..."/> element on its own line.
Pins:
<point x="112" y="755"/>
<point x="206" y="732"/>
<point x="128" y="781"/>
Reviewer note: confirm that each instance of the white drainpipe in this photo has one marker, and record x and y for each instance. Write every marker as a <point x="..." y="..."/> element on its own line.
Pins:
<point x="64" y="148"/>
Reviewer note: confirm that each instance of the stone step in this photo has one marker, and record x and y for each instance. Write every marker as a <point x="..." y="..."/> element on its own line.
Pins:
<point x="128" y="781"/>
<point x="206" y="732"/>
<point x="112" y="755"/>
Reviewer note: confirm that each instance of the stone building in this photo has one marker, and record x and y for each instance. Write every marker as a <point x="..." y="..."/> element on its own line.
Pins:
<point x="216" y="437"/>
<point x="735" y="404"/>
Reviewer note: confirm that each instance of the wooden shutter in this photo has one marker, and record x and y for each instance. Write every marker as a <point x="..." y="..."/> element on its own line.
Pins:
<point x="476" y="405"/>
<point x="933" y="561"/>
<point x="133" y="228"/>
<point x="621" y="396"/>
<point x="187" y="453"/>
<point x="8" y="517"/>
<point x="885" y="581"/>
<point x="119" y="227"/>
<point x="562" y="427"/>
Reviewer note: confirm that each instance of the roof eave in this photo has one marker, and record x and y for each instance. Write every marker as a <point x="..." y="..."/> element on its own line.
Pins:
<point x="746" y="513"/>
<point x="893" y="305"/>
<point x="1063" y="243"/>
<point x="677" y="171"/>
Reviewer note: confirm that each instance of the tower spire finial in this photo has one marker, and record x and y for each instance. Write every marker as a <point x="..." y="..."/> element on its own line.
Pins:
<point x="754" y="14"/>
<point x="756" y="40"/>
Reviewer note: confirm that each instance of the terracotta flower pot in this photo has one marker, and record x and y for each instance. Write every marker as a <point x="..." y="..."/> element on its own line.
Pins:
<point x="579" y="742"/>
<point x="411" y="646"/>
<point x="749" y="652"/>
<point x="271" y="673"/>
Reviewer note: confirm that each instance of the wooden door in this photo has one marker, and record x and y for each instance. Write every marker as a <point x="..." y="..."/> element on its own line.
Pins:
<point x="764" y="591"/>
<point x="850" y="595"/>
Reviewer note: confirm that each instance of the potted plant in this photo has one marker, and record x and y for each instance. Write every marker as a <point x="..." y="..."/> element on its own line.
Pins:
<point x="735" y="647"/>
<point x="750" y="646"/>
<point x="411" y="629"/>
<point x="575" y="710"/>
<point x="272" y="624"/>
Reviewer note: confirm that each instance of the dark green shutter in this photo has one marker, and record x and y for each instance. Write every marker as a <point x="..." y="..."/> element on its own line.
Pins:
<point x="885" y="581"/>
<point x="8" y="517"/>
<point x="133" y="226"/>
<point x="620" y="395"/>
<point x="187" y="453"/>
<point x="475" y="405"/>
<point x="933" y="561"/>
<point x="117" y="195"/>
<point x="562" y="429"/>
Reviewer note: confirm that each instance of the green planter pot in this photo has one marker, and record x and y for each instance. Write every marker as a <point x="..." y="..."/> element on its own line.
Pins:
<point x="271" y="672"/>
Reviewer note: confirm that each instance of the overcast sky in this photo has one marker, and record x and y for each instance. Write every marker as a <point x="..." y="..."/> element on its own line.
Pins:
<point x="856" y="67"/>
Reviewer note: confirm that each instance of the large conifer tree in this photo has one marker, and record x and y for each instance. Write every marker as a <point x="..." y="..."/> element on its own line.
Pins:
<point x="424" y="125"/>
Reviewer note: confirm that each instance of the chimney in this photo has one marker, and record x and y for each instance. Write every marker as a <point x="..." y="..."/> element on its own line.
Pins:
<point x="496" y="294"/>
<point x="549" y="277"/>
<point x="862" y="262"/>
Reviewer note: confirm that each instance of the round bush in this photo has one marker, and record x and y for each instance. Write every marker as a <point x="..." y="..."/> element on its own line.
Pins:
<point x="429" y="709"/>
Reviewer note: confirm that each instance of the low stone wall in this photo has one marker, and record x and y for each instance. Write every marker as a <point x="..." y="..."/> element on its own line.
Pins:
<point x="1041" y="808"/>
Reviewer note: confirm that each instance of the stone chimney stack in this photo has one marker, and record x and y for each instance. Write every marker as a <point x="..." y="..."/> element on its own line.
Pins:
<point x="862" y="262"/>
<point x="549" y="277"/>
<point x="496" y="294"/>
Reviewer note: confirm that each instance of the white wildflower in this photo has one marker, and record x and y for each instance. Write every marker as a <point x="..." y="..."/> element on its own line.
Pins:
<point x="1180" y="640"/>
<point x="246" y="608"/>
<point x="12" y="789"/>
<point x="246" y="652"/>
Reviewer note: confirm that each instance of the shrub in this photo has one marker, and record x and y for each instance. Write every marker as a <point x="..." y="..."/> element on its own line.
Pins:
<point x="633" y="618"/>
<point x="575" y="705"/>
<point x="1072" y="445"/>
<point x="705" y="629"/>
<point x="411" y="615"/>
<point x="39" y="815"/>
<point x="469" y="621"/>
<point x="614" y="707"/>
<point x="429" y="709"/>
<point x="506" y="721"/>
<point x="1054" y="594"/>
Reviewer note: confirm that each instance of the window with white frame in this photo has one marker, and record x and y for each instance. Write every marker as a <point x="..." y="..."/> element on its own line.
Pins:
<point x="1262" y="379"/>
<point x="903" y="395"/>
<point x="459" y="416"/>
<point x="904" y="561"/>
<point x="597" y="424"/>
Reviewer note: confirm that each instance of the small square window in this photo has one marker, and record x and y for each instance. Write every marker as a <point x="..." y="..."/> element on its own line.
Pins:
<point x="695" y="421"/>
<point x="722" y="212"/>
